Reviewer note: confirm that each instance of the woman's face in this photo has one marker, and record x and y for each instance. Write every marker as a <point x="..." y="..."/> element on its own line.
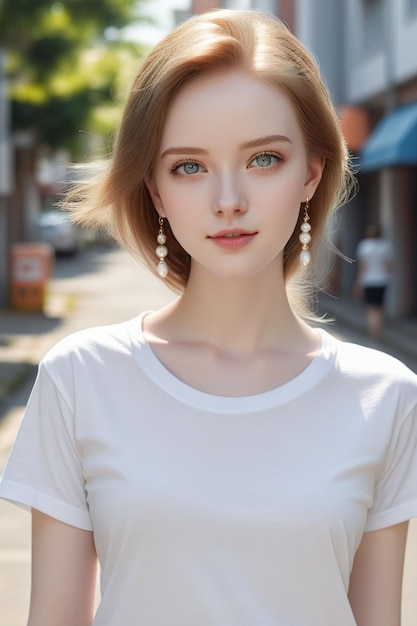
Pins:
<point x="231" y="173"/>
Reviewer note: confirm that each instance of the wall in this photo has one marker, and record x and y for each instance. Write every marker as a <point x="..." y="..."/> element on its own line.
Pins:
<point x="370" y="70"/>
<point x="319" y="25"/>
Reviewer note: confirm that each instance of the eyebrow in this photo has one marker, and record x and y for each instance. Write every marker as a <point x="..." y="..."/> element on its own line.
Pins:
<point x="252" y="143"/>
<point x="264" y="141"/>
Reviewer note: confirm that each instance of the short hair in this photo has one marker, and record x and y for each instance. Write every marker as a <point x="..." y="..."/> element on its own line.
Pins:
<point x="213" y="42"/>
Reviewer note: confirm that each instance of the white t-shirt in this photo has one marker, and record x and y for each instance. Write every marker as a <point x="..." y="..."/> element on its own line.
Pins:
<point x="375" y="256"/>
<point x="218" y="511"/>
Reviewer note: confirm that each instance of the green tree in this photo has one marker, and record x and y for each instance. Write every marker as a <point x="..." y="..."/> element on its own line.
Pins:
<point x="64" y="74"/>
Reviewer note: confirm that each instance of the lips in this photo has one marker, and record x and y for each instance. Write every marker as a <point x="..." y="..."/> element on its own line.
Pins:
<point x="232" y="239"/>
<point x="232" y="234"/>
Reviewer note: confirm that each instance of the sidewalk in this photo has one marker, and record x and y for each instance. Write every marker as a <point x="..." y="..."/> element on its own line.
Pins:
<point x="24" y="339"/>
<point x="21" y="339"/>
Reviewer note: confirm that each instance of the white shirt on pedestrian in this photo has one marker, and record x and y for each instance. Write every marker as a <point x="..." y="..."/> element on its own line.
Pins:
<point x="375" y="256"/>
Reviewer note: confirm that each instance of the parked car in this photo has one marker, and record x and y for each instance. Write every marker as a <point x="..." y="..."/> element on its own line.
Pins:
<point x="56" y="229"/>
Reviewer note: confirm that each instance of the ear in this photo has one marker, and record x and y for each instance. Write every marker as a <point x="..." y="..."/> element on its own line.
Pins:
<point x="314" y="173"/>
<point x="154" y="193"/>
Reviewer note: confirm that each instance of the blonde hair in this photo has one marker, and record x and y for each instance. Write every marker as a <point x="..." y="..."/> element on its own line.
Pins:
<point x="218" y="41"/>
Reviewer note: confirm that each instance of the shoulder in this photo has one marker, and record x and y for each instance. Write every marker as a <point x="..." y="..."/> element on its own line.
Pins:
<point x="377" y="376"/>
<point x="356" y="359"/>
<point x="90" y="345"/>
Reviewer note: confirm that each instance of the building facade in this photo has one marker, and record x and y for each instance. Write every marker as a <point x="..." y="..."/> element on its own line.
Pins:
<point x="369" y="60"/>
<point x="380" y="76"/>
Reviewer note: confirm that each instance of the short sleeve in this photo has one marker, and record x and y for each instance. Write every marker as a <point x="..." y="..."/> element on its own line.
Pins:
<point x="44" y="469"/>
<point x="395" y="497"/>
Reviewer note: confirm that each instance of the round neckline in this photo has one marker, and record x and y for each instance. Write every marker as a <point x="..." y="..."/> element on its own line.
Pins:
<point x="169" y="384"/>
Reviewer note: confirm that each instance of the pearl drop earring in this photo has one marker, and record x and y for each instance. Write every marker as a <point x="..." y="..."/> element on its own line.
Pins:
<point x="161" y="250"/>
<point x="305" y="237"/>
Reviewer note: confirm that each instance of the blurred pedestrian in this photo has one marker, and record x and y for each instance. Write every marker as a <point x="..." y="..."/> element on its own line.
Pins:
<point x="228" y="462"/>
<point x="376" y="264"/>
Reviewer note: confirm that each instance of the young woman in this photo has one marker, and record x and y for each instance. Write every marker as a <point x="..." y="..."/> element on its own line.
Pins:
<point x="227" y="462"/>
<point x="375" y="267"/>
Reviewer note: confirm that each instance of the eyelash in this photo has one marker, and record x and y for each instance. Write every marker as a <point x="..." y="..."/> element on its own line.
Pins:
<point x="174" y="169"/>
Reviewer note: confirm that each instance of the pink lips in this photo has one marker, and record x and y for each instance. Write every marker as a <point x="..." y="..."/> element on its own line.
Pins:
<point x="232" y="239"/>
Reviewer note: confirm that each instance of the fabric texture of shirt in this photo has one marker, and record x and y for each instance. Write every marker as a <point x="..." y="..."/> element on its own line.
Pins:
<point x="217" y="510"/>
<point x="375" y="256"/>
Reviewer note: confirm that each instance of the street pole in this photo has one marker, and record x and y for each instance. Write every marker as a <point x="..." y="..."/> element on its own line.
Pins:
<point x="5" y="180"/>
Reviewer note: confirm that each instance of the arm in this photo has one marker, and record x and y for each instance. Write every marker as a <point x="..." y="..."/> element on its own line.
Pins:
<point x="376" y="579"/>
<point x="64" y="570"/>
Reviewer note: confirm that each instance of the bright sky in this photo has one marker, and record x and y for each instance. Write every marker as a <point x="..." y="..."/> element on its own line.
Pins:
<point x="161" y="12"/>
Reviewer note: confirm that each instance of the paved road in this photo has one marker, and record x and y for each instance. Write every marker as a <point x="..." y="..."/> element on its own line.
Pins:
<point x="100" y="287"/>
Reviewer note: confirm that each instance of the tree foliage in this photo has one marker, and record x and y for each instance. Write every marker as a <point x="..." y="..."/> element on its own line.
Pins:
<point x="63" y="72"/>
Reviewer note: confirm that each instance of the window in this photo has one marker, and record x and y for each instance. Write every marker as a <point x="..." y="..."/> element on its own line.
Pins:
<point x="373" y="26"/>
<point x="411" y="9"/>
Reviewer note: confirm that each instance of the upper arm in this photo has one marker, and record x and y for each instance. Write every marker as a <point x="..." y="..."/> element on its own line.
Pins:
<point x="64" y="569"/>
<point x="376" y="578"/>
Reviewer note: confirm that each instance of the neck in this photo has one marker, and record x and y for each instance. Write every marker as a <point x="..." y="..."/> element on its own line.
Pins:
<point x="239" y="315"/>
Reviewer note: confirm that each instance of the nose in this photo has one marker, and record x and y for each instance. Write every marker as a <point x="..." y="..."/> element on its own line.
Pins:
<point x="229" y="196"/>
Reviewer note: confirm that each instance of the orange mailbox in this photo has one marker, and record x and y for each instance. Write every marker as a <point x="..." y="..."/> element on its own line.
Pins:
<point x="31" y="268"/>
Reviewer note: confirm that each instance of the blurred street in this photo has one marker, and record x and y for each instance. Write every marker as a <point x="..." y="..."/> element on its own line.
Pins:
<point x="99" y="286"/>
